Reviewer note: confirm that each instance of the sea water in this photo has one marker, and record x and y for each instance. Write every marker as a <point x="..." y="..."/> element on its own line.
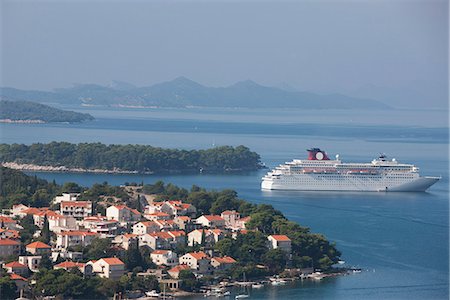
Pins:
<point x="399" y="240"/>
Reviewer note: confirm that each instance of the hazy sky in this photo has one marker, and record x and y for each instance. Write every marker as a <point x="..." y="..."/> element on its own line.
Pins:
<point x="344" y="46"/>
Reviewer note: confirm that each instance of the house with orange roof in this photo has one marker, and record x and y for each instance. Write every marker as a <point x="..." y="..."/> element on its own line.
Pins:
<point x="111" y="267"/>
<point x="21" y="283"/>
<point x="153" y="207"/>
<point x="39" y="217"/>
<point x="58" y="223"/>
<point x="222" y="263"/>
<point x="126" y="240"/>
<point x="38" y="248"/>
<point x="122" y="213"/>
<point x="199" y="262"/>
<point x="70" y="265"/>
<point x="178" y="208"/>
<point x="9" y="247"/>
<point x="280" y="241"/>
<point x="211" y="221"/>
<point x="68" y="239"/>
<point x="16" y="267"/>
<point x="8" y="223"/>
<point x="184" y="223"/>
<point x="76" y="209"/>
<point x="175" y="271"/>
<point x="145" y="227"/>
<point x="159" y="215"/>
<point x="164" y="257"/>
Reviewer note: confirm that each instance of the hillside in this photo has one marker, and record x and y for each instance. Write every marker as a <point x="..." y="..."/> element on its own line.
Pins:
<point x="183" y="92"/>
<point x="30" y="111"/>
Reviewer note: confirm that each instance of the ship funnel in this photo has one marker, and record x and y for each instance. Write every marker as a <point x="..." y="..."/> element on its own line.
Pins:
<point x="337" y="156"/>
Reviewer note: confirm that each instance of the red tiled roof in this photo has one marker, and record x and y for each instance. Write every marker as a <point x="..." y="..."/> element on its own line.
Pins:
<point x="15" y="264"/>
<point x="74" y="233"/>
<point x="229" y="212"/>
<point x="6" y="220"/>
<point x="130" y="235"/>
<point x="76" y="203"/>
<point x="217" y="231"/>
<point x="176" y="233"/>
<point x="48" y="213"/>
<point x="69" y="265"/>
<point x="32" y="211"/>
<point x="213" y="217"/>
<point x="160" y="252"/>
<point x="184" y="218"/>
<point x="158" y="214"/>
<point x="179" y="268"/>
<point x="280" y="237"/>
<point x="14" y="276"/>
<point x="246" y="219"/>
<point x="149" y="223"/>
<point x="8" y="242"/>
<point x="225" y="260"/>
<point x="113" y="261"/>
<point x="163" y="235"/>
<point x="198" y="255"/>
<point x="38" y="245"/>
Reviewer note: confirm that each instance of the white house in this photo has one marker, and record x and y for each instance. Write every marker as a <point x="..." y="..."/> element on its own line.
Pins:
<point x="32" y="262"/>
<point x="145" y="227"/>
<point x="199" y="262"/>
<point x="99" y="224"/>
<point x="211" y="236"/>
<point x="66" y="197"/>
<point x="212" y="221"/>
<point x="111" y="267"/>
<point x="164" y="257"/>
<point x="76" y="209"/>
<point x="58" y="223"/>
<point x="178" y="208"/>
<point x="280" y="241"/>
<point x="122" y="213"/>
<point x="67" y="239"/>
<point x="230" y="217"/>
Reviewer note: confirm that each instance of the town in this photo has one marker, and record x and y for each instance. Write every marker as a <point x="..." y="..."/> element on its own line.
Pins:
<point x="168" y="246"/>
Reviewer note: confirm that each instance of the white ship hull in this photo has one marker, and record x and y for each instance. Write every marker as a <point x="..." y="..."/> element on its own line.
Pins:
<point x="319" y="173"/>
<point x="347" y="182"/>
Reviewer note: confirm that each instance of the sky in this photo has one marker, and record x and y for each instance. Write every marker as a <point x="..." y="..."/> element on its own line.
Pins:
<point x="387" y="50"/>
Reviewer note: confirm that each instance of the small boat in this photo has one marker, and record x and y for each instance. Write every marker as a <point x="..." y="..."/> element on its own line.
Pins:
<point x="242" y="296"/>
<point x="152" y="293"/>
<point x="257" y="285"/>
<point x="277" y="281"/>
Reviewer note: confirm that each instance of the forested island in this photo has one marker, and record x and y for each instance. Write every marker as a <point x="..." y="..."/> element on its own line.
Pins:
<point x="98" y="157"/>
<point x="249" y="248"/>
<point x="32" y="112"/>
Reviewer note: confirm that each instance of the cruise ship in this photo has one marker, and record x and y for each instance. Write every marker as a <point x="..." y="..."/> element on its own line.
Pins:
<point x="319" y="173"/>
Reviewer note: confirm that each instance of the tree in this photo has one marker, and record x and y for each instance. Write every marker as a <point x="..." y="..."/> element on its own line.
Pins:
<point x="45" y="263"/>
<point x="7" y="288"/>
<point x="275" y="260"/>
<point x="45" y="232"/>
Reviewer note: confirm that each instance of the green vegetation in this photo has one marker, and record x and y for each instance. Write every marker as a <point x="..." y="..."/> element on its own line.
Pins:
<point x="25" y="110"/>
<point x="140" y="158"/>
<point x="16" y="187"/>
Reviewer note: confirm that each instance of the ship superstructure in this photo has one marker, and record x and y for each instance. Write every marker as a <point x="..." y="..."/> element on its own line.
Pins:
<point x="320" y="173"/>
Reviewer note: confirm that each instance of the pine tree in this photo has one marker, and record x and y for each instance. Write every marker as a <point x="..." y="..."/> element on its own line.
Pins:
<point x="45" y="233"/>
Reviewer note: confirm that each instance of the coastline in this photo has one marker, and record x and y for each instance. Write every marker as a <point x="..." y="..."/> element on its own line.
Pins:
<point x="64" y="169"/>
<point x="22" y="121"/>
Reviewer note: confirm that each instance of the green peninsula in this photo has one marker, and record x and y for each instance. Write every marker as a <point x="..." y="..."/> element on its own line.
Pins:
<point x="32" y="112"/>
<point x="101" y="158"/>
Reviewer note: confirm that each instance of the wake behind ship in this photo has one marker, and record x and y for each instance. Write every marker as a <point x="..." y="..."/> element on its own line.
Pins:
<point x="319" y="173"/>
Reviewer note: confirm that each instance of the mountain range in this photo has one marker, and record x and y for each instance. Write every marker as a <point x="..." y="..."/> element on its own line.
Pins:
<point x="183" y="92"/>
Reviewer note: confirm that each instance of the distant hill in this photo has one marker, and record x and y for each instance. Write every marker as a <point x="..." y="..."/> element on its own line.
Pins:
<point x="27" y="111"/>
<point x="183" y="92"/>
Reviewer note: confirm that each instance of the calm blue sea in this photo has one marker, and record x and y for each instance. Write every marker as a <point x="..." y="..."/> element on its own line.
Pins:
<point x="400" y="240"/>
